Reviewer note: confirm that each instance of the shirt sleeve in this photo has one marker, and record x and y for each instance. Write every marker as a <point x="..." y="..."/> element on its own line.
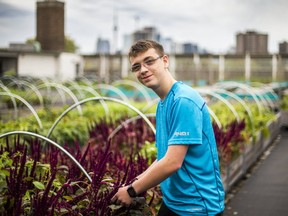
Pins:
<point x="185" y="123"/>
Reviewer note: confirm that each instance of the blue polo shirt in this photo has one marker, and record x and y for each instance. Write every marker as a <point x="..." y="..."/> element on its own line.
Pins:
<point x="196" y="188"/>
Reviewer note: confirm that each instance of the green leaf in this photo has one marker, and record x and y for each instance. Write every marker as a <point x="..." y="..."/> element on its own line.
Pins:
<point x="68" y="198"/>
<point x="4" y="173"/>
<point x="39" y="185"/>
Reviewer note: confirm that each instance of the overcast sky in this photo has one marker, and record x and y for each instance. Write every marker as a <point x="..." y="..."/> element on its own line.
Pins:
<point x="212" y="24"/>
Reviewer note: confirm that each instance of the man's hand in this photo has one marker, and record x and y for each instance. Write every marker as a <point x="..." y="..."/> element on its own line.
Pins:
<point x="122" y="197"/>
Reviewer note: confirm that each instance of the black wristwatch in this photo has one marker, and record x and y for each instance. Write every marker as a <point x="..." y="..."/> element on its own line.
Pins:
<point x="132" y="193"/>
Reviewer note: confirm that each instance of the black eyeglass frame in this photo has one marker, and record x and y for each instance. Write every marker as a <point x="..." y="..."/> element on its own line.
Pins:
<point x="146" y="63"/>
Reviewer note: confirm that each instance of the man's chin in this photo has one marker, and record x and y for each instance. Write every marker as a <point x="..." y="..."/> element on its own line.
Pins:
<point x="151" y="85"/>
<point x="147" y="83"/>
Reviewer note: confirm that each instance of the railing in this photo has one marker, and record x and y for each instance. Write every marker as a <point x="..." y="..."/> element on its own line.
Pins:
<point x="199" y="69"/>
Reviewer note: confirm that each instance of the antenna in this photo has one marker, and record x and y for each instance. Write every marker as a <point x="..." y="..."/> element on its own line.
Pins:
<point x="115" y="30"/>
<point x="137" y="21"/>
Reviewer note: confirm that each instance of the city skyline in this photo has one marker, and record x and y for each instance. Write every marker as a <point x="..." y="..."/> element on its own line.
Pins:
<point x="213" y="29"/>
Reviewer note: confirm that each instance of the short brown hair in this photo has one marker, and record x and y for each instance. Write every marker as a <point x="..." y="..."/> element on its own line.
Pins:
<point x="143" y="45"/>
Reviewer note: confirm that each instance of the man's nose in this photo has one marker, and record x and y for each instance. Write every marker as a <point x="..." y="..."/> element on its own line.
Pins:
<point x="143" y="69"/>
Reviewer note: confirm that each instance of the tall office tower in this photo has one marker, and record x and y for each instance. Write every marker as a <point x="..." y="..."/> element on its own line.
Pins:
<point x="283" y="47"/>
<point x="102" y="46"/>
<point x="150" y="33"/>
<point x="50" y="25"/>
<point x="251" y="42"/>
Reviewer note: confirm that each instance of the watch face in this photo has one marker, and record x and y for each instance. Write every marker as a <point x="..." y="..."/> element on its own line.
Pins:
<point x="131" y="191"/>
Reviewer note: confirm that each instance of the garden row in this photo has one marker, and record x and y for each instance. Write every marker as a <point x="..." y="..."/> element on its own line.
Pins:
<point x="70" y="159"/>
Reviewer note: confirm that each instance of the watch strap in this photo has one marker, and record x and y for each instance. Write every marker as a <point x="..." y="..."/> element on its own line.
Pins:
<point x="132" y="193"/>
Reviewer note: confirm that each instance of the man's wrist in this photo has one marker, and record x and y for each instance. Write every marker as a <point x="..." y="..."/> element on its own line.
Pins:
<point x="131" y="191"/>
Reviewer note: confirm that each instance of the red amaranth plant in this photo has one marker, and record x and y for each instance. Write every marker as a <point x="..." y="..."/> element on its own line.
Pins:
<point x="44" y="181"/>
<point x="229" y="140"/>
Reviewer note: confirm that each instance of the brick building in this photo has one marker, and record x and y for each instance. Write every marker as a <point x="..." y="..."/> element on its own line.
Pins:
<point x="251" y="42"/>
<point x="50" y="25"/>
<point x="283" y="47"/>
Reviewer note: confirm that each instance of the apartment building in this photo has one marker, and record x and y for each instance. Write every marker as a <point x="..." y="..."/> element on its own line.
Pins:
<point x="251" y="42"/>
<point x="283" y="47"/>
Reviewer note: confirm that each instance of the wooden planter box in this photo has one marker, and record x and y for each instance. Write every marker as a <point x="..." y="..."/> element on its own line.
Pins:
<point x="284" y="118"/>
<point x="252" y="151"/>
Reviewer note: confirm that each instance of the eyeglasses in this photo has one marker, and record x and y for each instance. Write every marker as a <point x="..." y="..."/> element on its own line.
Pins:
<point x="146" y="63"/>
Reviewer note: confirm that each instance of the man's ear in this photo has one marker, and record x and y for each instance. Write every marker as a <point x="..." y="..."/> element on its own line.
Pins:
<point x="166" y="61"/>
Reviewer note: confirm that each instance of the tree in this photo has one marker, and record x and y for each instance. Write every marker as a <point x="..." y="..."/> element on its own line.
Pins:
<point x="69" y="46"/>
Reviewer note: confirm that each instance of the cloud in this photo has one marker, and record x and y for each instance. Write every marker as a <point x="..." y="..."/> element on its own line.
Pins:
<point x="212" y="24"/>
<point x="16" y="23"/>
<point x="11" y="11"/>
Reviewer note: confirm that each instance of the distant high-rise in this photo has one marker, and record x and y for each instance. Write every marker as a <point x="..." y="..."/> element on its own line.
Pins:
<point x="251" y="42"/>
<point x="149" y="33"/>
<point x="283" y="47"/>
<point x="189" y="48"/>
<point x="103" y="46"/>
<point x="50" y="25"/>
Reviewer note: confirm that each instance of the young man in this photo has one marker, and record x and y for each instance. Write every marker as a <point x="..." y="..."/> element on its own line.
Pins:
<point x="187" y="165"/>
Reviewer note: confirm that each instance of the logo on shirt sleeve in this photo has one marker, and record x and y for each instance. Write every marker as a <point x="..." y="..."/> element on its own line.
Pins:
<point x="181" y="133"/>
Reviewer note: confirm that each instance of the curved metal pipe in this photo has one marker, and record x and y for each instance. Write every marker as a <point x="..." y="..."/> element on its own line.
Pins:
<point x="135" y="118"/>
<point x="245" y="87"/>
<point x="226" y="102"/>
<point x="89" y="89"/>
<point x="212" y="113"/>
<point x="114" y="89"/>
<point x="65" y="89"/>
<point x="53" y="143"/>
<point x="135" y="85"/>
<point x="27" y="104"/>
<point x="149" y="105"/>
<point x="96" y="99"/>
<point x="12" y="98"/>
<point x="242" y="102"/>
<point x="35" y="90"/>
